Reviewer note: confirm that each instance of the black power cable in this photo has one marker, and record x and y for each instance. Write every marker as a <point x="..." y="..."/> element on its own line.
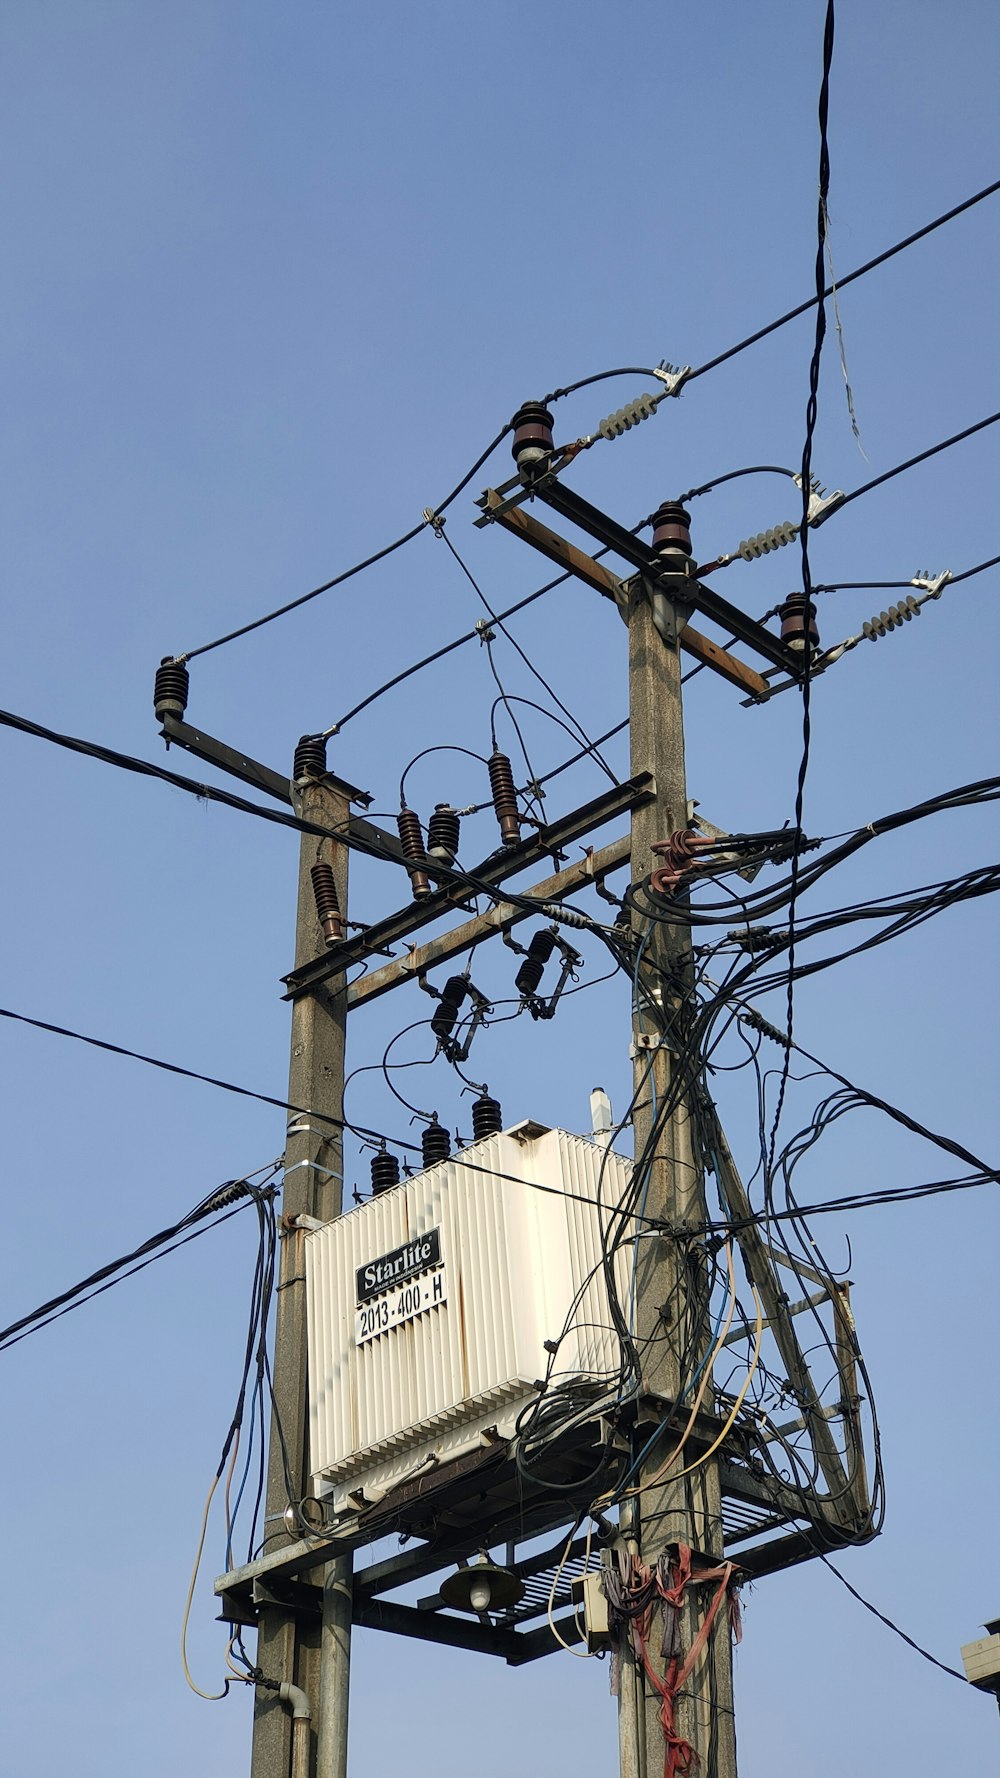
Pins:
<point x="849" y="278"/>
<point x="234" y="1192"/>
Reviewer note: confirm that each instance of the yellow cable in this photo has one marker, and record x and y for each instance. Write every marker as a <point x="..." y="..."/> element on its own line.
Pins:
<point x="212" y="1697"/>
<point x="586" y="1654"/>
<point x="738" y="1403"/>
<point x="606" y="1499"/>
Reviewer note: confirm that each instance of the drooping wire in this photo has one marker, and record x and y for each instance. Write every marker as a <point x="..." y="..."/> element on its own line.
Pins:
<point x="532" y="669"/>
<point x="359" y="567"/>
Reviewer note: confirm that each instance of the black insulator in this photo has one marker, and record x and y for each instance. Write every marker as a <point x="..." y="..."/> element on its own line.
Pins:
<point x="442" y="834"/>
<point x="309" y="760"/>
<point x="504" y="797"/>
<point x="412" y="841"/>
<point x="532" y="434"/>
<point x="487" y="1118"/>
<point x="327" y="901"/>
<point x="448" y="1007"/>
<point x="170" y="689"/>
<point x="671" y="528"/>
<point x="435" y="1143"/>
<point x="530" y="973"/>
<point x="795" y="613"/>
<point x="385" y="1172"/>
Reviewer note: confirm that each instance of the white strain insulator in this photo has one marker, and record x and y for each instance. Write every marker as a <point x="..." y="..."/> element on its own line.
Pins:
<point x="554" y="910"/>
<point x="642" y="408"/>
<point x="893" y="619"/>
<point x="766" y="541"/>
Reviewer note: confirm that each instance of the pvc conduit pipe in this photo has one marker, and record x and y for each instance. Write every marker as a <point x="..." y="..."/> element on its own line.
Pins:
<point x="298" y="1703"/>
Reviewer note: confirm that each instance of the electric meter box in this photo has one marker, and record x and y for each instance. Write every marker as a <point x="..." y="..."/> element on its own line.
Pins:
<point x="429" y="1307"/>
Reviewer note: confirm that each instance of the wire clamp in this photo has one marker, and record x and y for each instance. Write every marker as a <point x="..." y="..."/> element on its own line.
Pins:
<point x="672" y="376"/>
<point x="485" y="632"/>
<point x="435" y="520"/>
<point x="933" y="584"/>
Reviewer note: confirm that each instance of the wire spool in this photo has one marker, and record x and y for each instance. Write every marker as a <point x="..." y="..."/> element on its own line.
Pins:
<point x="487" y="1117"/>
<point x="442" y="834"/>
<point x="530" y="973"/>
<point x="435" y="1143"/>
<point x="170" y="689"/>
<point x="412" y="841"/>
<point x="327" y="901"/>
<point x="532" y="434"/>
<point x="504" y="797"/>
<point x="448" y="1007"/>
<point x="385" y="1172"/>
<point x="309" y="759"/>
<point x="798" y="617"/>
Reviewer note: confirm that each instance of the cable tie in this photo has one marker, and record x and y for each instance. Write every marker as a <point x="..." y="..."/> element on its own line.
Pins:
<point x="315" y="1167"/>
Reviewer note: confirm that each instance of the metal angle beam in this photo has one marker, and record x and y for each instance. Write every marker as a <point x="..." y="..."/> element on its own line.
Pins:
<point x="432" y="1626"/>
<point x="592" y="869"/>
<point x="594" y="574"/>
<point x="361" y="836"/>
<point x="493" y="871"/>
<point x="607" y="531"/>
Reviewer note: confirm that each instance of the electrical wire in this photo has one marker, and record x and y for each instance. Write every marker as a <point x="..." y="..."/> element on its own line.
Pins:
<point x="860" y="271"/>
<point x="211" y="1080"/>
<point x="431" y="518"/>
<point x="155" y="1247"/>
<point x="532" y="669"/>
<point x="887" y="1621"/>
<point x="911" y="462"/>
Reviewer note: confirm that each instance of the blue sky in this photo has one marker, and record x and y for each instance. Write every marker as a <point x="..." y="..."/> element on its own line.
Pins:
<point x="273" y="279"/>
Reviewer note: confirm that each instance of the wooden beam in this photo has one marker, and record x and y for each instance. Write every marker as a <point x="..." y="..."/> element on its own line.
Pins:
<point x="576" y="561"/>
<point x="591" y="869"/>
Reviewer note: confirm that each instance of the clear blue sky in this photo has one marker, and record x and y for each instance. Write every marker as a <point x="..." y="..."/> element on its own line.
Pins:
<point x="273" y="277"/>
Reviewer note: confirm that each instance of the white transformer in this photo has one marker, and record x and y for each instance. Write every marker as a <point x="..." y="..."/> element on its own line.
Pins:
<point x="429" y="1307"/>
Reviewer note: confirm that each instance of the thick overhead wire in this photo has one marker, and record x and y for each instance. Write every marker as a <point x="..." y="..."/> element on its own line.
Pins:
<point x="359" y="567"/>
<point x="911" y="462"/>
<point x="860" y="271"/>
<point x="211" y="1080"/>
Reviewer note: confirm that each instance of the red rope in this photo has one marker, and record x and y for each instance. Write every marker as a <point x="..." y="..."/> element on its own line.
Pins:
<point x="680" y="1758"/>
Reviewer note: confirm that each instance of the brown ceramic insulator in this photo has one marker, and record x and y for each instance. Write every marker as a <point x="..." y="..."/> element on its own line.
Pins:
<point x="170" y="689"/>
<point x="798" y="618"/>
<point x="412" y="841"/>
<point x="453" y="996"/>
<point x="442" y="834"/>
<point x="385" y="1172"/>
<point x="487" y="1118"/>
<point x="327" y="901"/>
<point x="435" y="1143"/>
<point x="671" y="528"/>
<point x="309" y="760"/>
<point x="504" y="797"/>
<point x="530" y="973"/>
<point x="532" y="434"/>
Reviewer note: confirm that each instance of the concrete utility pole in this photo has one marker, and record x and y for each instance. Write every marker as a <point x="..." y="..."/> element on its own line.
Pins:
<point x="292" y="1648"/>
<point x="687" y="1510"/>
